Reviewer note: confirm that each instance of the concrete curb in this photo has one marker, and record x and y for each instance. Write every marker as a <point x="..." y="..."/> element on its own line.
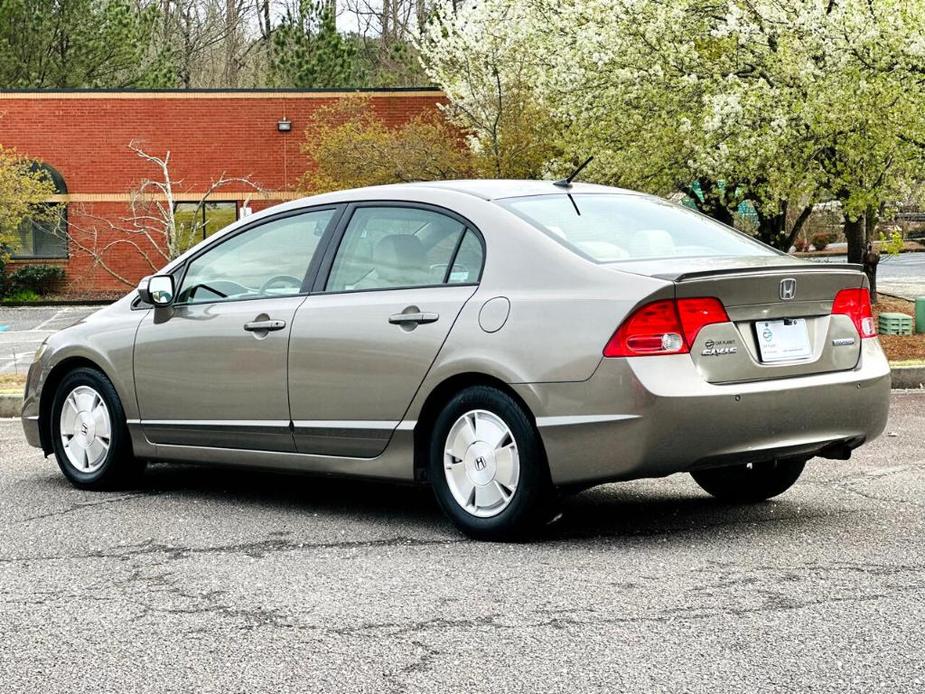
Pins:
<point x="908" y="376"/>
<point x="10" y="404"/>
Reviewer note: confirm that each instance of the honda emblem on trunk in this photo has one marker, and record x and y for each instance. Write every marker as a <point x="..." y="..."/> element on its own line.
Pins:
<point x="788" y="289"/>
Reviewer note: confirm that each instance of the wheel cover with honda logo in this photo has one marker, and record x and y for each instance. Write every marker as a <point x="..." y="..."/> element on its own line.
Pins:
<point x="481" y="463"/>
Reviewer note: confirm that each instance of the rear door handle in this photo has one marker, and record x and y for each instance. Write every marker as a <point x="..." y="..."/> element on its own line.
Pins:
<point x="264" y="325"/>
<point x="419" y="317"/>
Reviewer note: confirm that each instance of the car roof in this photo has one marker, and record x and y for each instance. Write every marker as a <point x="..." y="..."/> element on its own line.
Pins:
<point x="497" y="188"/>
<point x="485" y="189"/>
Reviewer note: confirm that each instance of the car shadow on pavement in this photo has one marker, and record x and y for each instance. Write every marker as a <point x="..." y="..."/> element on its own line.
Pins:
<point x="291" y="491"/>
<point x="609" y="511"/>
<point x="613" y="511"/>
<point x="621" y="510"/>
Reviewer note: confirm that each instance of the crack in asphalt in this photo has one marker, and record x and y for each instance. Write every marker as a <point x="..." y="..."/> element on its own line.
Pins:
<point x="211" y="603"/>
<point x="849" y="483"/>
<point x="261" y="548"/>
<point x="884" y="499"/>
<point x="81" y="505"/>
<point x="679" y="614"/>
<point x="257" y="549"/>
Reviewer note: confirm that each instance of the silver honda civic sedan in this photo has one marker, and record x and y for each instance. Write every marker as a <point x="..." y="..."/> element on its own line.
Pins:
<point x="504" y="341"/>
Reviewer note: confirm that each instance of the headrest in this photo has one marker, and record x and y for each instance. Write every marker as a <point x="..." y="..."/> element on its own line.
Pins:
<point x="401" y="259"/>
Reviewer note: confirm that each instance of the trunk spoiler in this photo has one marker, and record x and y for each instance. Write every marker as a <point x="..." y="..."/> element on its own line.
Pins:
<point x="763" y="270"/>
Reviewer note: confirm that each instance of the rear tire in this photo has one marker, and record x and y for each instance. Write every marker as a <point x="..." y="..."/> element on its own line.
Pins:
<point x="488" y="467"/>
<point x="749" y="484"/>
<point x="89" y="434"/>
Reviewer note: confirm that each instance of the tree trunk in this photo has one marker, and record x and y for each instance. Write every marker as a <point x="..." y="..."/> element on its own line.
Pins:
<point x="263" y="15"/>
<point x="871" y="217"/>
<point x="773" y="229"/>
<point x="854" y="235"/>
<point x="712" y="203"/>
<point x="231" y="43"/>
<point x="798" y="225"/>
<point x="871" y="259"/>
<point x="720" y="214"/>
<point x="384" y="21"/>
<point x="420" y="7"/>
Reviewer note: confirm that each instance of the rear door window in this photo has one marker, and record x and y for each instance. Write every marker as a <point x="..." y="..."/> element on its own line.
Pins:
<point x="402" y="247"/>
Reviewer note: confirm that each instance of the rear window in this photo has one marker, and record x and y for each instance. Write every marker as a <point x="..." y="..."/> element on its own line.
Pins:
<point x="612" y="228"/>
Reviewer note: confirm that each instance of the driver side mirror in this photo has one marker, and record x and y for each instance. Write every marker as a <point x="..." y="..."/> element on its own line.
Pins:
<point x="157" y="290"/>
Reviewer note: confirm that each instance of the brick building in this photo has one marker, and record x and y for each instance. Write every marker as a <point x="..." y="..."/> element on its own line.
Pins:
<point x="84" y="137"/>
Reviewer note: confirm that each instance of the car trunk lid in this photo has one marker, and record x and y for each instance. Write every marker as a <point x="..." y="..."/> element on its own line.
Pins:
<point x="780" y="315"/>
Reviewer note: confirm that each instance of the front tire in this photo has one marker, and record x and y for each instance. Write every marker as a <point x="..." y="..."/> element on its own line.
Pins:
<point x="488" y="467"/>
<point x="751" y="483"/>
<point x="89" y="434"/>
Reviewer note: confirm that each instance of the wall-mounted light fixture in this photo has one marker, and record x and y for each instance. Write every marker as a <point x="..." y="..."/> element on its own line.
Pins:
<point x="284" y="125"/>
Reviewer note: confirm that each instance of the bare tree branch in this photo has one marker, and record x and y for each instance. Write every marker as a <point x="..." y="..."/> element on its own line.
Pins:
<point x="151" y="228"/>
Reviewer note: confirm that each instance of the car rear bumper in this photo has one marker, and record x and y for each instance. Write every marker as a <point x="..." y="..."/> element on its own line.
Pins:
<point x="653" y="416"/>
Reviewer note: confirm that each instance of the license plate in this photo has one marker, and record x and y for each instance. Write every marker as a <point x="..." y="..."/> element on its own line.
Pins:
<point x="783" y="340"/>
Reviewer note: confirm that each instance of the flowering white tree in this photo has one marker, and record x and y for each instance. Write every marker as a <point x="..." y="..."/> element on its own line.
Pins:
<point x="485" y="59"/>
<point x="781" y="102"/>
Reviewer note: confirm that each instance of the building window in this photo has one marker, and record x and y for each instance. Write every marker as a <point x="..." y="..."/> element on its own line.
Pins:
<point x="46" y="237"/>
<point x="196" y="222"/>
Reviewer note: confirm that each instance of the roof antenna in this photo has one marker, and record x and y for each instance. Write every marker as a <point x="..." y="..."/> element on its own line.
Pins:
<point x="567" y="182"/>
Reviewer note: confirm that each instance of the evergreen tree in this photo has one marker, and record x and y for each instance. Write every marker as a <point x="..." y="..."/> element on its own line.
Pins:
<point x="308" y="51"/>
<point x="80" y="43"/>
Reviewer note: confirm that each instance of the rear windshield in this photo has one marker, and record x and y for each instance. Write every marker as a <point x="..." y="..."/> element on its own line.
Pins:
<point x="611" y="228"/>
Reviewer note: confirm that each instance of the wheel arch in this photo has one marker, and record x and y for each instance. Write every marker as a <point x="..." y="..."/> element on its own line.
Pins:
<point x="437" y="399"/>
<point x="50" y="387"/>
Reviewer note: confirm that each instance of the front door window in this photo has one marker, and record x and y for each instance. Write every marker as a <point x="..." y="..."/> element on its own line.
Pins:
<point x="264" y="262"/>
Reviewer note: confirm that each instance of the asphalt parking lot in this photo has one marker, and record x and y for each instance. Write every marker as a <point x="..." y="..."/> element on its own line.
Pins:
<point x="900" y="275"/>
<point x="23" y="328"/>
<point x="213" y="580"/>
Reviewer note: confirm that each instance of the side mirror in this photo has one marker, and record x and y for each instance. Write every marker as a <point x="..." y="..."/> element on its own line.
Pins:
<point x="157" y="290"/>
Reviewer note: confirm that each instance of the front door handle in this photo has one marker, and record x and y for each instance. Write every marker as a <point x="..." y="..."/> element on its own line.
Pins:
<point x="418" y="317"/>
<point x="264" y="325"/>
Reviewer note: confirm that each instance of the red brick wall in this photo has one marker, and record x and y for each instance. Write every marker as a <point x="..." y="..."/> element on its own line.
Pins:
<point x="85" y="137"/>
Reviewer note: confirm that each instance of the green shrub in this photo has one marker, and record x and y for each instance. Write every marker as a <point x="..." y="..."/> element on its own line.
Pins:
<point x="821" y="240"/>
<point x="21" y="296"/>
<point x="38" y="279"/>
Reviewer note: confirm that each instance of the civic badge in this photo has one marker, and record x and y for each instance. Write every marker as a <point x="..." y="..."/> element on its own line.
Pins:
<point x="718" y="348"/>
<point x="788" y="289"/>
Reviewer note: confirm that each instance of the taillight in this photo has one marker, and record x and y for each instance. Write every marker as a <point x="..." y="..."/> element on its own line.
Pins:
<point x="667" y="326"/>
<point x="697" y="313"/>
<point x="855" y="303"/>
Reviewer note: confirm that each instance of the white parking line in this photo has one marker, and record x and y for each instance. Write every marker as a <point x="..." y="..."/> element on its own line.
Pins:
<point x="46" y="322"/>
<point x="24" y="336"/>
